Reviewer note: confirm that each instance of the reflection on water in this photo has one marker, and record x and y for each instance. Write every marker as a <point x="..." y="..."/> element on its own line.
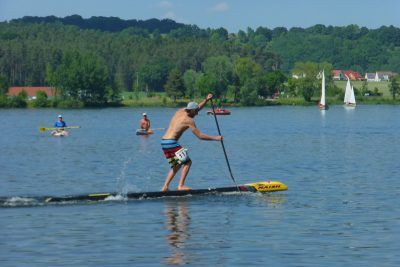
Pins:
<point x="143" y="146"/>
<point x="177" y="222"/>
<point x="323" y="113"/>
<point x="274" y="200"/>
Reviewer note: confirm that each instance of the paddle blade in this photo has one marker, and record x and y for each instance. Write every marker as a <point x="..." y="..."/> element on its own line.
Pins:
<point x="42" y="129"/>
<point x="269" y="186"/>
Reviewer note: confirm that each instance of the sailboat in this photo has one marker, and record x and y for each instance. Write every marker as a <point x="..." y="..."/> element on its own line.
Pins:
<point x="322" y="102"/>
<point x="349" y="98"/>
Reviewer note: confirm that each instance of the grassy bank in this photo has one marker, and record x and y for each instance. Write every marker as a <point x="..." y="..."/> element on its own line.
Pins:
<point x="383" y="87"/>
<point x="142" y="99"/>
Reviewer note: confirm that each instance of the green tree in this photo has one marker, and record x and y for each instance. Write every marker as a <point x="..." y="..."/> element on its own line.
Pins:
<point x="394" y="86"/>
<point x="220" y="72"/>
<point x="174" y="86"/>
<point x="273" y="82"/>
<point x="292" y="86"/>
<point x="18" y="101"/>
<point x="246" y="69"/>
<point x="3" y="101"/>
<point x="248" y="92"/>
<point x="154" y="74"/>
<point x="307" y="86"/>
<point x="3" y="85"/>
<point x="189" y="80"/>
<point x="41" y="100"/>
<point x="81" y="78"/>
<point x="93" y="90"/>
<point x="306" y="69"/>
<point x="203" y="84"/>
<point x="364" y="88"/>
<point x="249" y="78"/>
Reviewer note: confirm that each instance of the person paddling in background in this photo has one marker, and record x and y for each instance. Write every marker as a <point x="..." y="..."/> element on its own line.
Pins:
<point x="175" y="153"/>
<point x="60" y="123"/>
<point x="145" y="124"/>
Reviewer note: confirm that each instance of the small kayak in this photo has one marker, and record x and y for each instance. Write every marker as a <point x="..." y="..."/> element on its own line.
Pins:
<point x="59" y="133"/>
<point x="219" y="111"/>
<point x="143" y="132"/>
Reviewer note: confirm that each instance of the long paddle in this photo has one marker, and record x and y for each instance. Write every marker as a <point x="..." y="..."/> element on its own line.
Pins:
<point x="223" y="146"/>
<point x="42" y="129"/>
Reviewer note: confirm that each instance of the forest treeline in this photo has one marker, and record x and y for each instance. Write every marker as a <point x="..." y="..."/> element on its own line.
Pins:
<point x="93" y="60"/>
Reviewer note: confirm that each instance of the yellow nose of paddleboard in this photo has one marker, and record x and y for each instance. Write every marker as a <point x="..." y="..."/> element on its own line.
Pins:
<point x="269" y="186"/>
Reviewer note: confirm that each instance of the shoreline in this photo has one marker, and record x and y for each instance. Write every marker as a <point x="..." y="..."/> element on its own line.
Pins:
<point x="237" y="105"/>
<point x="168" y="103"/>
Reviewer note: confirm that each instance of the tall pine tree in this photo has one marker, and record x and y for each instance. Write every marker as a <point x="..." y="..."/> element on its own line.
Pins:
<point x="174" y="86"/>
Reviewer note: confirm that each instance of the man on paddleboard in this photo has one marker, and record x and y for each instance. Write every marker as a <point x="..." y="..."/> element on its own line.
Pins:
<point x="145" y="124"/>
<point x="175" y="153"/>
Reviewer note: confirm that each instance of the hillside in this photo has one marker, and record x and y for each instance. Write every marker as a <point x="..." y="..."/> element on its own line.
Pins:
<point x="142" y="55"/>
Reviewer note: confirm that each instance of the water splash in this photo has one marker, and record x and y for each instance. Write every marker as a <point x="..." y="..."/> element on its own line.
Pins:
<point x="121" y="179"/>
<point x="122" y="185"/>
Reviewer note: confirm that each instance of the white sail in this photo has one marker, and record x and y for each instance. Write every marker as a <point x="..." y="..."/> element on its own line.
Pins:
<point x="352" y="99"/>
<point x="322" y="101"/>
<point x="349" y="98"/>
<point x="347" y="92"/>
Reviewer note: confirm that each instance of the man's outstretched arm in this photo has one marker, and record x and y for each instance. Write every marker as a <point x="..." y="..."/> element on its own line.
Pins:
<point x="204" y="102"/>
<point x="203" y="136"/>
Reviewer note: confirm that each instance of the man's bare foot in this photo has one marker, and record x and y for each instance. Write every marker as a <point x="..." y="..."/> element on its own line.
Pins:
<point x="164" y="189"/>
<point x="184" y="187"/>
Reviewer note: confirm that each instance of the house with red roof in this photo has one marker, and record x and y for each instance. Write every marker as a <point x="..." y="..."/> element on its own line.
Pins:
<point x="31" y="91"/>
<point x="338" y="75"/>
<point x="353" y="75"/>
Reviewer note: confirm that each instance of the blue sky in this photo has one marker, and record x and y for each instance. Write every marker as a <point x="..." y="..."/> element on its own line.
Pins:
<point x="233" y="15"/>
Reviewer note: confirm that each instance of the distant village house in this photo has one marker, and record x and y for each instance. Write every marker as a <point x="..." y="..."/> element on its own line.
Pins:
<point x="353" y="75"/>
<point x="379" y="76"/>
<point x="31" y="91"/>
<point x="338" y="75"/>
<point x="298" y="75"/>
<point x="341" y="75"/>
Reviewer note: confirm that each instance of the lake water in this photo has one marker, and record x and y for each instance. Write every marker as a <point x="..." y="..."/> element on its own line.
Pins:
<point x="342" y="207"/>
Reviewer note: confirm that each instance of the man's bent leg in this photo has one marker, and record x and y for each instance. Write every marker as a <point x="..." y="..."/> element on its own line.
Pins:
<point x="185" y="171"/>
<point x="170" y="176"/>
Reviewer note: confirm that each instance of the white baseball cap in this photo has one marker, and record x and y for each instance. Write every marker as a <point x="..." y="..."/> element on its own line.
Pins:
<point x="60" y="116"/>
<point x="192" y="105"/>
<point x="144" y="114"/>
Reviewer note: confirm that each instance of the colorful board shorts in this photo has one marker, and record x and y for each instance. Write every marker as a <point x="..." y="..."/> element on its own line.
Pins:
<point x="170" y="147"/>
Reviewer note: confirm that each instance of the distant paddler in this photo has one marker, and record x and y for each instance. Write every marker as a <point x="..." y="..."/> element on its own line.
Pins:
<point x="173" y="151"/>
<point x="145" y="124"/>
<point x="60" y="125"/>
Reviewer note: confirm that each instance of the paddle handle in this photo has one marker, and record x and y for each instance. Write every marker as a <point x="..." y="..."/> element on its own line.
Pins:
<point x="223" y="146"/>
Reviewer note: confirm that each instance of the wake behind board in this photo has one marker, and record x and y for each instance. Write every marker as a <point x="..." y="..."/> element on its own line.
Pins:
<point x="259" y="187"/>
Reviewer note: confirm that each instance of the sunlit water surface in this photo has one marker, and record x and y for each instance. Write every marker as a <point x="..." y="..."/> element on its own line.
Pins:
<point x="342" y="207"/>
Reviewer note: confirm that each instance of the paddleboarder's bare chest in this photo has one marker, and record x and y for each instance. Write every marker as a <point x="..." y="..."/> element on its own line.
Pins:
<point x="180" y="122"/>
